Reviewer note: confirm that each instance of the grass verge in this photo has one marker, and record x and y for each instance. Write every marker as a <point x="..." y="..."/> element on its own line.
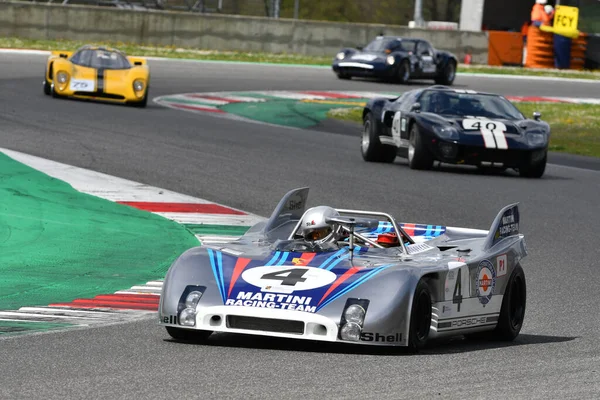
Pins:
<point x="197" y="54"/>
<point x="575" y="127"/>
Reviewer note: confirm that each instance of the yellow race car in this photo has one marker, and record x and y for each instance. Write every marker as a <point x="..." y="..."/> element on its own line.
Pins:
<point x="98" y="73"/>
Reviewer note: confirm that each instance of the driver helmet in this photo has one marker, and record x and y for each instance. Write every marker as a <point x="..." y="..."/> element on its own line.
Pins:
<point x="314" y="227"/>
<point x="439" y="101"/>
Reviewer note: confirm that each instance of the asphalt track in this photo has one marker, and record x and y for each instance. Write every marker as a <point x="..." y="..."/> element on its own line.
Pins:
<point x="249" y="166"/>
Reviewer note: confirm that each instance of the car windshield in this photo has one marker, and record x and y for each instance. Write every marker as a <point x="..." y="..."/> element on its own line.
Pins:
<point x="100" y="59"/>
<point x="468" y="104"/>
<point x="382" y="44"/>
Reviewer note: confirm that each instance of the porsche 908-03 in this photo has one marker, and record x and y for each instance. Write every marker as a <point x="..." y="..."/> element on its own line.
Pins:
<point x="350" y="276"/>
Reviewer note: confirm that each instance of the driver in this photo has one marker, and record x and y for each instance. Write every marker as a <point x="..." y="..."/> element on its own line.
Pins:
<point x="317" y="232"/>
<point x="439" y="103"/>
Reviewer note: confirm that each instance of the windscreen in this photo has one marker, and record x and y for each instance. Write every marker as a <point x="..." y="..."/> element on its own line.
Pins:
<point x="468" y="104"/>
<point x="101" y="59"/>
<point x="392" y="44"/>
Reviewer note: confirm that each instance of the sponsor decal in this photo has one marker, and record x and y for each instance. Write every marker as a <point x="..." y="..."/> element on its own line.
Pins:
<point x="446" y="310"/>
<point x="501" y="265"/>
<point x="485" y="281"/>
<point x="169" y="319"/>
<point x="272" y="300"/>
<point x="379" y="337"/>
<point x="467" y="322"/>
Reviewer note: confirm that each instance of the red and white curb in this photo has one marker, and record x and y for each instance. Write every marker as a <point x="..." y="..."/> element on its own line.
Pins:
<point x="140" y="300"/>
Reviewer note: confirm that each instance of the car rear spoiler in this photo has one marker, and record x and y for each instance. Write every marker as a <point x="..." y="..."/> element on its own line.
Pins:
<point x="506" y="224"/>
<point x="62" y="54"/>
<point x="137" y="60"/>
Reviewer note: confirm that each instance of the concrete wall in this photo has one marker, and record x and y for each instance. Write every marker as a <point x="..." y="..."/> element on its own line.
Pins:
<point x="49" y="21"/>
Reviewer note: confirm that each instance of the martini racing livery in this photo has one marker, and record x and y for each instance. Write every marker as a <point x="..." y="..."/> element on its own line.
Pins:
<point x="97" y="73"/>
<point x="381" y="283"/>
<point x="397" y="59"/>
<point x="457" y="127"/>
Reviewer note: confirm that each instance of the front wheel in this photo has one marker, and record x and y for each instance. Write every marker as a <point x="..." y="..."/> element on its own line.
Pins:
<point x="343" y="75"/>
<point x="534" y="169"/>
<point x="371" y="147"/>
<point x="187" y="335"/>
<point x="447" y="74"/>
<point x="47" y="88"/>
<point x="420" y="317"/>
<point x="512" y="312"/>
<point x="419" y="156"/>
<point x="404" y="72"/>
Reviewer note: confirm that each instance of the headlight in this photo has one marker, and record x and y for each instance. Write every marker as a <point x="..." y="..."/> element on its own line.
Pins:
<point x="62" y="77"/>
<point x="350" y="331"/>
<point x="537" y="139"/>
<point x="447" y="132"/>
<point x="192" y="299"/>
<point x="341" y="55"/>
<point x="355" y="313"/>
<point x="187" y="317"/>
<point x="390" y="60"/>
<point x="138" y="85"/>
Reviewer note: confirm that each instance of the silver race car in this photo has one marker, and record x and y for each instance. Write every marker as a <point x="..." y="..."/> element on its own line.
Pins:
<point x="350" y="276"/>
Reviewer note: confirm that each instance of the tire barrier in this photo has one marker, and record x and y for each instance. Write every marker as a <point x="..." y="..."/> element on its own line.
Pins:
<point x="540" y="50"/>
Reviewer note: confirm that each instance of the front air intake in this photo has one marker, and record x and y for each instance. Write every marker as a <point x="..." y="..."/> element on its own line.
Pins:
<point x="265" y="324"/>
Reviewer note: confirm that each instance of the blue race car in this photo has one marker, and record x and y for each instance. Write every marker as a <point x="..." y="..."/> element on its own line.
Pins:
<point x="454" y="126"/>
<point x="397" y="59"/>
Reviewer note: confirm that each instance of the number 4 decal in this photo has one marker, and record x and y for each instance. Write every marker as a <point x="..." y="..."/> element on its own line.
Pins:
<point x="457" y="283"/>
<point x="288" y="277"/>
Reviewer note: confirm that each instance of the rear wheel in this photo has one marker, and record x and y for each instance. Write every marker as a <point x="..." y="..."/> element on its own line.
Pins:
<point x="371" y="147"/>
<point x="419" y="156"/>
<point x="512" y="312"/>
<point x="187" y="334"/>
<point x="420" y="317"/>
<point x="447" y="74"/>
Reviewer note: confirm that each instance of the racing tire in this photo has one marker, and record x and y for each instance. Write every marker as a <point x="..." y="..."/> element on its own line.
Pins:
<point x="404" y="72"/>
<point x="512" y="312"/>
<point x="53" y="93"/>
<point x="142" y="103"/>
<point x="419" y="156"/>
<point x="187" y="335"/>
<point x="420" y="317"/>
<point x="47" y="88"/>
<point x="344" y="76"/>
<point x="534" y="170"/>
<point x="447" y="75"/>
<point x="371" y="148"/>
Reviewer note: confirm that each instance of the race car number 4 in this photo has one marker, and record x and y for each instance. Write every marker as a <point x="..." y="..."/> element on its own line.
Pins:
<point x="287" y="279"/>
<point x="82" y="85"/>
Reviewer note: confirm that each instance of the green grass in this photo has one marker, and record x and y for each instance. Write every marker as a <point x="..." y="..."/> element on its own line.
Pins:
<point x="199" y="54"/>
<point x="575" y="127"/>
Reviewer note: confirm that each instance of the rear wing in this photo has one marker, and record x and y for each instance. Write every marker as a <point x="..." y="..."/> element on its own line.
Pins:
<point x="137" y="60"/>
<point x="505" y="224"/>
<point x="62" y="53"/>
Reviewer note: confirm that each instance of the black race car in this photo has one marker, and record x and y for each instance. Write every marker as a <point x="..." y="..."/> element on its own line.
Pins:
<point x="397" y="59"/>
<point x="454" y="126"/>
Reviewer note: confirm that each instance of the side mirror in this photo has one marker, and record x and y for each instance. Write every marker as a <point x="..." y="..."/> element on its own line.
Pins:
<point x="416" y="107"/>
<point x="537" y="115"/>
<point x="388" y="118"/>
